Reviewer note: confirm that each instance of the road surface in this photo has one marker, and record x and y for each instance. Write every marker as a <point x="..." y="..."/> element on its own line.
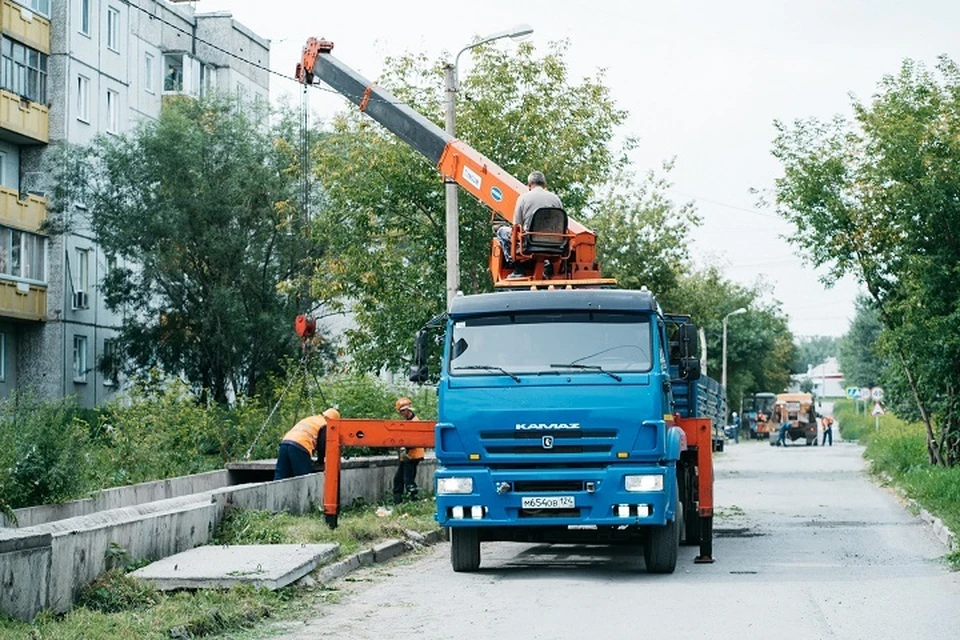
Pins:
<point x="806" y="547"/>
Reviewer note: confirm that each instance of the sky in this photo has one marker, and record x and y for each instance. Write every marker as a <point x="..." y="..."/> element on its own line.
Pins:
<point x="703" y="82"/>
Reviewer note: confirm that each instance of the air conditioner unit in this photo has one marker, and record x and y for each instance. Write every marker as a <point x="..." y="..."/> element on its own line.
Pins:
<point x="81" y="300"/>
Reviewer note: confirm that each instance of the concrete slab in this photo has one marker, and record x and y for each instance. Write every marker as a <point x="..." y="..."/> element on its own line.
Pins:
<point x="263" y="565"/>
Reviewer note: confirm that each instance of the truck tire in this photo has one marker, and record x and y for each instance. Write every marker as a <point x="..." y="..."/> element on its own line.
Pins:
<point x="464" y="549"/>
<point x="661" y="546"/>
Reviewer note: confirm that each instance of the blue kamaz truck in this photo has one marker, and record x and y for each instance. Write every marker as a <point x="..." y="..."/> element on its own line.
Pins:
<point x="559" y="421"/>
<point x="569" y="410"/>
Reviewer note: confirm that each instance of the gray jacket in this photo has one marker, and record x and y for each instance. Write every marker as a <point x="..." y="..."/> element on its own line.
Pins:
<point x="529" y="202"/>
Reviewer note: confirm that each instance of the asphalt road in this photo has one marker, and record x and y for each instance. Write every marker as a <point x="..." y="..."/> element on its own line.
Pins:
<point x="806" y="547"/>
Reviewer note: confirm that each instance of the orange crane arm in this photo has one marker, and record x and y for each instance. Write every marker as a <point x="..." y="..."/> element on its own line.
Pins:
<point x="456" y="161"/>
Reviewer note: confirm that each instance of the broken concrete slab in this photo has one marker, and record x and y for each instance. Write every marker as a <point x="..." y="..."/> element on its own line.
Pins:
<point x="270" y="566"/>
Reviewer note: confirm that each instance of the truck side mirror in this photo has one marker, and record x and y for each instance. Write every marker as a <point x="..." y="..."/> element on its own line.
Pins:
<point x="688" y="341"/>
<point x="689" y="369"/>
<point x="419" y="371"/>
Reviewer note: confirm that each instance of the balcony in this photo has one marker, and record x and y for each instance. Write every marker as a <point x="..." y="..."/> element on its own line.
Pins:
<point x="23" y="121"/>
<point x="26" y="214"/>
<point x="22" y="300"/>
<point x="27" y="27"/>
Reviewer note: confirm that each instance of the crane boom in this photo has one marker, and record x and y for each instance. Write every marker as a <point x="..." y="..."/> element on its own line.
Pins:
<point x="457" y="161"/>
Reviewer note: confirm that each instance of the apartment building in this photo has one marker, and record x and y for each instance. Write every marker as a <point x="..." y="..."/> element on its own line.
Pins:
<point x="72" y="70"/>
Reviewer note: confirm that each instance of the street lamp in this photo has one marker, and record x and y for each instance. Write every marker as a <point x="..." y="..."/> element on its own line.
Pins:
<point x="452" y="85"/>
<point x="723" y="374"/>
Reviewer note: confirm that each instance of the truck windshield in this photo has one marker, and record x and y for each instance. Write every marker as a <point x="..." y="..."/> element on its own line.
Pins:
<point x="540" y="343"/>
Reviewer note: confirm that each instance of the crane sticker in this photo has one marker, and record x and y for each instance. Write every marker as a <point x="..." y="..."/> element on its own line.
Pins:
<point x="472" y="177"/>
<point x="496" y="194"/>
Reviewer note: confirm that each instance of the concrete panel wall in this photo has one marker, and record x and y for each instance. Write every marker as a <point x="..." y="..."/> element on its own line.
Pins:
<point x="120" y="497"/>
<point x="24" y="576"/>
<point x="80" y="556"/>
<point x="42" y="566"/>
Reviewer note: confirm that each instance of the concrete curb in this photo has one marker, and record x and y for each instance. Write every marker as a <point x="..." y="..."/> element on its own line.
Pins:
<point x="380" y="553"/>
<point x="943" y="533"/>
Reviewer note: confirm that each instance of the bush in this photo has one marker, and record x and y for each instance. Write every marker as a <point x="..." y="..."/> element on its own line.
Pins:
<point x="45" y="457"/>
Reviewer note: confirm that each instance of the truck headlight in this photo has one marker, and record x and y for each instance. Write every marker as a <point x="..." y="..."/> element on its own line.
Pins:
<point x="446" y="486"/>
<point x="644" y="483"/>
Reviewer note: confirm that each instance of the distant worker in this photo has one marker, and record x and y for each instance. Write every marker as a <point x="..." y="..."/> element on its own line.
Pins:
<point x="537" y="197"/>
<point x="827" y="430"/>
<point x="782" y="438"/>
<point x="736" y="428"/>
<point x="405" y="479"/>
<point x="308" y="437"/>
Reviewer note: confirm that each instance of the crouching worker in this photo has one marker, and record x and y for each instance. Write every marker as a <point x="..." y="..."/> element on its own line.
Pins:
<point x="405" y="479"/>
<point x="306" y="440"/>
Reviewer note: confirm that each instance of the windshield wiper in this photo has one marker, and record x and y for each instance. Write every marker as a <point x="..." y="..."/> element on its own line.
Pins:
<point x="592" y="367"/>
<point x="491" y="368"/>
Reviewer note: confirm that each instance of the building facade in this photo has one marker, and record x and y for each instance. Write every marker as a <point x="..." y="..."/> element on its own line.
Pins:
<point x="72" y="70"/>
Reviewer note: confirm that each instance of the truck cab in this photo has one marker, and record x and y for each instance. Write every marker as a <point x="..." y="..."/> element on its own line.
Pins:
<point x="556" y="423"/>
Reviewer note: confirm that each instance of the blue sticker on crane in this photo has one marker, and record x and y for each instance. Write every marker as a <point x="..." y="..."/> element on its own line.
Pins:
<point x="496" y="194"/>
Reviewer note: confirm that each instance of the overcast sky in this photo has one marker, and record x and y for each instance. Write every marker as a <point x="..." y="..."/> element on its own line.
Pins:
<point x="703" y="82"/>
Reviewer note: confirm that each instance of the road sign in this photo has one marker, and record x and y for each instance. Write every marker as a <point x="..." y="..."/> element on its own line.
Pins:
<point x="876" y="393"/>
<point x="877" y="410"/>
<point x="864" y="393"/>
<point x="853" y="393"/>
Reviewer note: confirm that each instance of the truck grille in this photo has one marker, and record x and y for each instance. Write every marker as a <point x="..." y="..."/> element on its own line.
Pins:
<point x="549" y="513"/>
<point x="532" y="442"/>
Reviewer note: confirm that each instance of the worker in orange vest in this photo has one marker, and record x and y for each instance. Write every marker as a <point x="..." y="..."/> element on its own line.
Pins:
<point x="405" y="479"/>
<point x="300" y="444"/>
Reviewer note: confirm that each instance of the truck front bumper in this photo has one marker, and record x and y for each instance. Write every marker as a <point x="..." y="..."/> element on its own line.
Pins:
<point x="570" y="497"/>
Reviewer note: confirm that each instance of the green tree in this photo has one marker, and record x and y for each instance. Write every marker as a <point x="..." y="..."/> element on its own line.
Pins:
<point x="384" y="205"/>
<point x="760" y="346"/>
<point x="642" y="234"/>
<point x="201" y="207"/>
<point x="813" y="351"/>
<point x="878" y="198"/>
<point x="859" y="362"/>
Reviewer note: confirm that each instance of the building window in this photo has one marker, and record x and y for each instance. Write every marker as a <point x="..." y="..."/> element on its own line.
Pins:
<point x="173" y="72"/>
<point x="23" y="255"/>
<point x="80" y="359"/>
<point x="83" y="270"/>
<point x="83" y="99"/>
<point x="113" y="29"/>
<point x="85" y="17"/>
<point x="110" y="363"/>
<point x="24" y="71"/>
<point x="3" y="357"/>
<point x="208" y="80"/>
<point x="148" y="73"/>
<point x="113" y="111"/>
<point x="37" y="6"/>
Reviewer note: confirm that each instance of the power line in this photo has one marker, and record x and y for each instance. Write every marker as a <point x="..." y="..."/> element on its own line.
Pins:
<point x="755" y="212"/>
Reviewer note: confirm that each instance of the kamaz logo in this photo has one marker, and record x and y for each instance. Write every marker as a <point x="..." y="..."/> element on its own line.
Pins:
<point x="543" y="426"/>
<point x="547" y="442"/>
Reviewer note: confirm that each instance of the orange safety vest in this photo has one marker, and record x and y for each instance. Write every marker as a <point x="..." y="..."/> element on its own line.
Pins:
<point x="415" y="453"/>
<point x="305" y="433"/>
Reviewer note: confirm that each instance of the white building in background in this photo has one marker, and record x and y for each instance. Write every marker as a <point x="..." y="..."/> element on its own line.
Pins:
<point x="71" y="70"/>
<point x="826" y="378"/>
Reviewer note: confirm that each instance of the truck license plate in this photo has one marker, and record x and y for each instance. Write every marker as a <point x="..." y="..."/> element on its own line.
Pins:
<point x="552" y="502"/>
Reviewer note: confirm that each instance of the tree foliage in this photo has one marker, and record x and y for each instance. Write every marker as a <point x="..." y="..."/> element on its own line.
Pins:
<point x="879" y="197"/>
<point x="384" y="205"/>
<point x="760" y="346"/>
<point x="201" y="209"/>
<point x="859" y="361"/>
<point x="813" y="351"/>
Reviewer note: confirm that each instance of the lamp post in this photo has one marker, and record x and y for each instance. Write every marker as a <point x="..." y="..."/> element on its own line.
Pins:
<point x="451" y="83"/>
<point x="723" y="374"/>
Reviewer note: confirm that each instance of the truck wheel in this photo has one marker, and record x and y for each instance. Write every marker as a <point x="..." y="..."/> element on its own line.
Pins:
<point x="661" y="546"/>
<point x="464" y="549"/>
